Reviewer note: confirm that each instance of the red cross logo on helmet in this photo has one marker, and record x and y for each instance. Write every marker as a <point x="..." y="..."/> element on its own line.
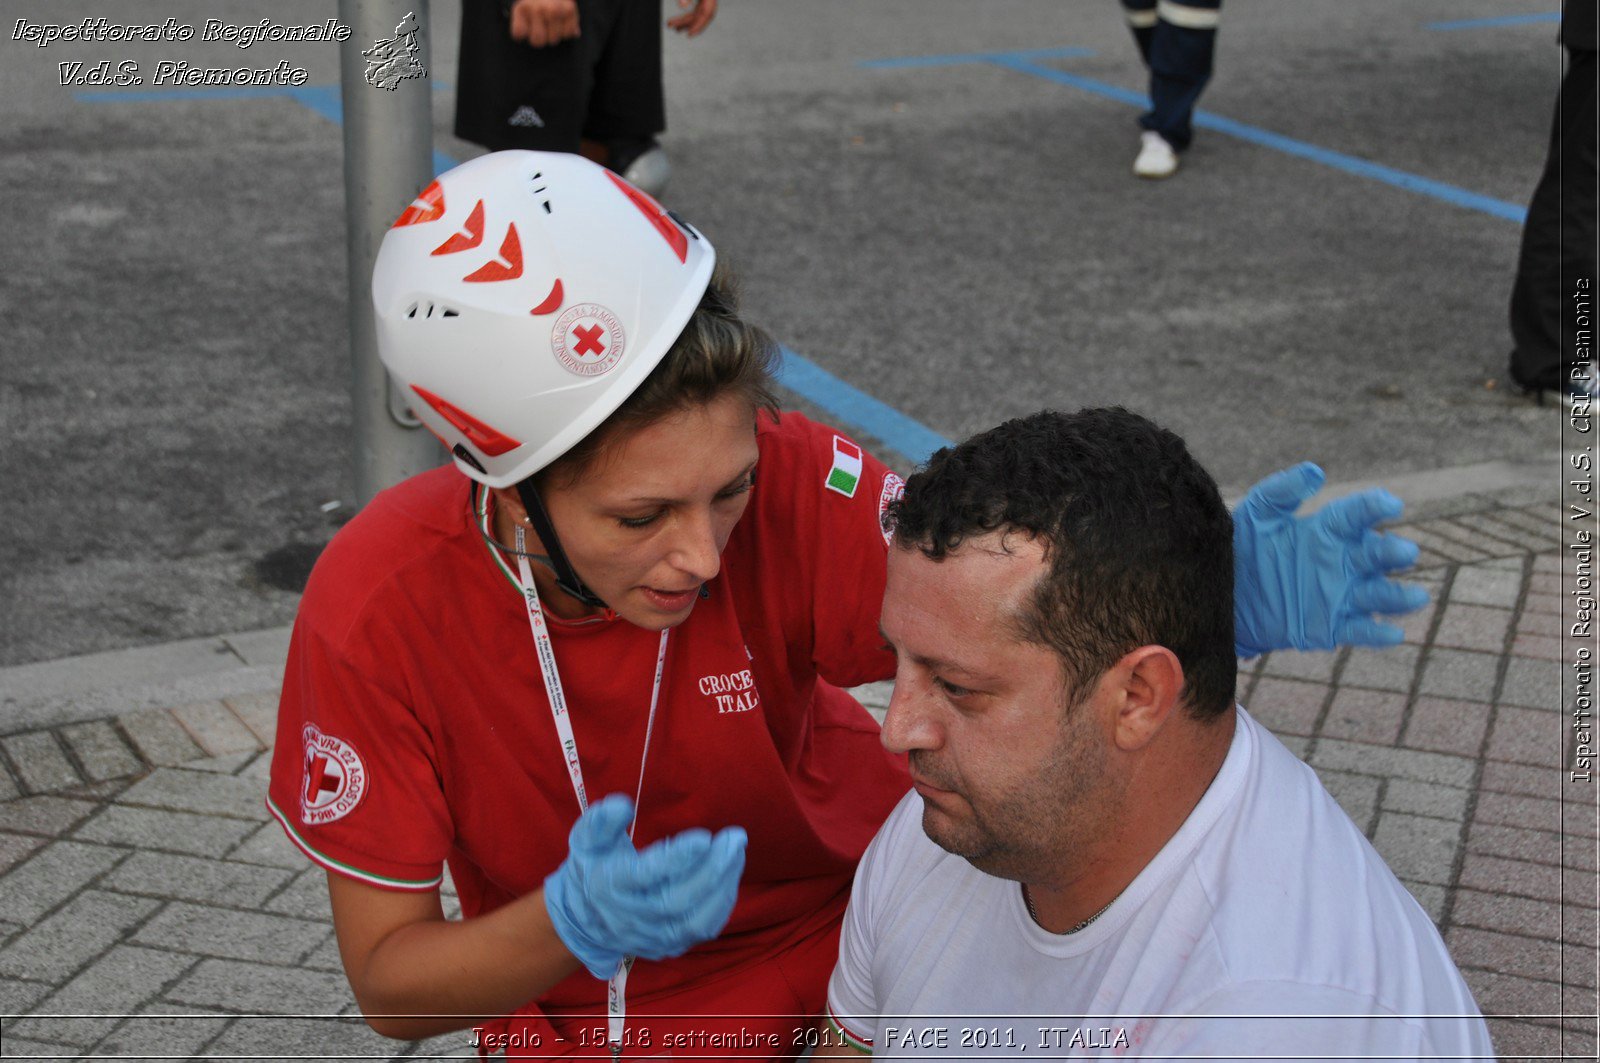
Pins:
<point x="588" y="339"/>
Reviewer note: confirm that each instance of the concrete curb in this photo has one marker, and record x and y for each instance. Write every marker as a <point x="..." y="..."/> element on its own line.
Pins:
<point x="97" y="685"/>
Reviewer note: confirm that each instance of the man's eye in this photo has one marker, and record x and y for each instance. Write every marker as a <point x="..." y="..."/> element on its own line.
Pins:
<point x="638" y="522"/>
<point x="951" y="689"/>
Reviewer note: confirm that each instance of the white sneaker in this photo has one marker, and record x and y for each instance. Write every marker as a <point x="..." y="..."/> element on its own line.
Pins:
<point x="650" y="172"/>
<point x="1156" y="157"/>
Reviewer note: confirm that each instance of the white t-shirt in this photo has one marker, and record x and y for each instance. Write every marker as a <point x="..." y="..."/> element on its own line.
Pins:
<point x="1267" y="926"/>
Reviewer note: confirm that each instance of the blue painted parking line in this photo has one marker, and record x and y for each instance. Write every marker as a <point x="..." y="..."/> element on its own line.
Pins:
<point x="1350" y="164"/>
<point x="853" y="408"/>
<point x="815" y="384"/>
<point x="325" y="100"/>
<point x="1489" y="23"/>
<point x="1023" y="63"/>
<point x="1016" y="61"/>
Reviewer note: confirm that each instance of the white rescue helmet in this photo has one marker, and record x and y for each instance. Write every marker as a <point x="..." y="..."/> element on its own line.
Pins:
<point x="522" y="297"/>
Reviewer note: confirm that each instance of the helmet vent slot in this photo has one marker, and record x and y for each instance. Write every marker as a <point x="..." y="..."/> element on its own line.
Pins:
<point x="431" y="310"/>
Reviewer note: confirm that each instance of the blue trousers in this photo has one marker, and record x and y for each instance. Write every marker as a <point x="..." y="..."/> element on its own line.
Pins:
<point x="1178" y="42"/>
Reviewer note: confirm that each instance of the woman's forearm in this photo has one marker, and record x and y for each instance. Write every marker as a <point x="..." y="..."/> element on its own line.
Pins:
<point x="418" y="977"/>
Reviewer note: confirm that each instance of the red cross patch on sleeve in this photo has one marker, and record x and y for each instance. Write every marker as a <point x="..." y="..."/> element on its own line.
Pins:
<point x="335" y="779"/>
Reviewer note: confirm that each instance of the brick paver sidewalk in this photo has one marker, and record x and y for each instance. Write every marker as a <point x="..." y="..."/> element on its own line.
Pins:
<point x="141" y="884"/>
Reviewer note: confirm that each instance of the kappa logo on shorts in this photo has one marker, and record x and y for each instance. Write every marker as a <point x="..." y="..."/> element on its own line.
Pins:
<point x="335" y="778"/>
<point x="893" y="489"/>
<point x="588" y="339"/>
<point x="526" y="116"/>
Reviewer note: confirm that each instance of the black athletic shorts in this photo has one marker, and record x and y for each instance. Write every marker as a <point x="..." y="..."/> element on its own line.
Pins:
<point x="603" y="85"/>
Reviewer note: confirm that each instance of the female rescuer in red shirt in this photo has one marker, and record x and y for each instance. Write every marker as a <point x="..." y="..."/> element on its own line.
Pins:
<point x="466" y="686"/>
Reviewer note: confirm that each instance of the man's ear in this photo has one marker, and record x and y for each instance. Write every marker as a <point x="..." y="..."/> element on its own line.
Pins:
<point x="1148" y="685"/>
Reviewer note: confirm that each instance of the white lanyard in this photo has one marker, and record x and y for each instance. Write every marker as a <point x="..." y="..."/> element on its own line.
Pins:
<point x="617" y="989"/>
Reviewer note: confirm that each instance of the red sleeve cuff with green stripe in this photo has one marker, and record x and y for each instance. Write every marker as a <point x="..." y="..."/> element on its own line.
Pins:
<point x="385" y="874"/>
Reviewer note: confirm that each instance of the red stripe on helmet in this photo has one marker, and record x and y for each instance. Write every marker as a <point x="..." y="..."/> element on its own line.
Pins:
<point x="489" y="440"/>
<point x="429" y="206"/>
<point x="656" y="216"/>
<point x="466" y="238"/>
<point x="552" y="302"/>
<point x="505" y="267"/>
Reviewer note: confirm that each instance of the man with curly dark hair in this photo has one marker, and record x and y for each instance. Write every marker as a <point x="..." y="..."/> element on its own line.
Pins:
<point x="1097" y="830"/>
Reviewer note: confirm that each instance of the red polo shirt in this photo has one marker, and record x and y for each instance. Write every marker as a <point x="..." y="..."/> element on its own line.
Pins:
<point x="414" y="727"/>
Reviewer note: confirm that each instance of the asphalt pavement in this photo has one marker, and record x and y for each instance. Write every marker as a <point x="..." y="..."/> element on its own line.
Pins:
<point x="929" y="202"/>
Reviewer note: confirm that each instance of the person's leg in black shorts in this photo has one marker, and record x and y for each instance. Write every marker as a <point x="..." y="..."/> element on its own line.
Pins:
<point x="603" y="86"/>
<point x="627" y="110"/>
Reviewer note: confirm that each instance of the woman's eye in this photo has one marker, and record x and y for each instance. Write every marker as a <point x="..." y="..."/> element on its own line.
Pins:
<point x="638" y="522"/>
<point x="740" y="488"/>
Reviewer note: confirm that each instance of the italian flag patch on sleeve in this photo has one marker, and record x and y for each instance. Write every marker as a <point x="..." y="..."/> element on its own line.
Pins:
<point x="846" y="471"/>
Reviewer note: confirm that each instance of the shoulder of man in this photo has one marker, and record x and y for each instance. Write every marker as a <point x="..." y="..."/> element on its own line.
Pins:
<point x="1300" y="903"/>
<point x="900" y="852"/>
<point x="1280" y="1019"/>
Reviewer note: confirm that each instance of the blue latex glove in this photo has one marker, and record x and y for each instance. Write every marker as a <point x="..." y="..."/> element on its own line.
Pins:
<point x="1312" y="583"/>
<point x="609" y="900"/>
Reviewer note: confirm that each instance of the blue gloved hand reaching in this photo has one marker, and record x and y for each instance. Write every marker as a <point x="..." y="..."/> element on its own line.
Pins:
<point x="609" y="900"/>
<point x="1313" y="583"/>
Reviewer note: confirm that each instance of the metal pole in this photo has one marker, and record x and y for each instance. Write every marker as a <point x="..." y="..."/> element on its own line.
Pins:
<point x="388" y="160"/>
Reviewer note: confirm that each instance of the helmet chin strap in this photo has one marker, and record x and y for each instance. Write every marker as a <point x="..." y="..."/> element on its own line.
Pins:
<point x="567" y="577"/>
